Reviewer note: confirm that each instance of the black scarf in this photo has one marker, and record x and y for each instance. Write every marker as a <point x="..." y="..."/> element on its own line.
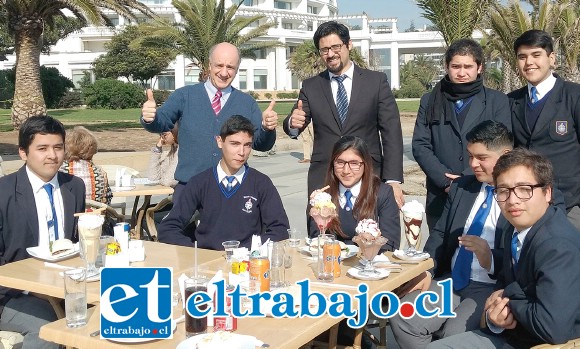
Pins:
<point x="444" y="91"/>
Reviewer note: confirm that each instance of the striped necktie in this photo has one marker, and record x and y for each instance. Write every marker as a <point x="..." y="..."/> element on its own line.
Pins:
<point x="514" y="247"/>
<point x="230" y="184"/>
<point x="53" y="223"/>
<point x="348" y="204"/>
<point x="341" y="98"/>
<point x="216" y="103"/>
<point x="534" y="94"/>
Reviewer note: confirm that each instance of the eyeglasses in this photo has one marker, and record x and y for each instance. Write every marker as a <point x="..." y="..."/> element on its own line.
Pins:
<point x="523" y="192"/>
<point x="335" y="48"/>
<point x="354" y="165"/>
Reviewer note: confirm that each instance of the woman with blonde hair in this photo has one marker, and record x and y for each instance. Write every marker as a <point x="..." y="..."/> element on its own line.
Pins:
<point x="80" y="147"/>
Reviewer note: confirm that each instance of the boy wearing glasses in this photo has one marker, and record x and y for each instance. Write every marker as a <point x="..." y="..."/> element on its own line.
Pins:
<point x="466" y="244"/>
<point x="346" y="100"/>
<point x="534" y="302"/>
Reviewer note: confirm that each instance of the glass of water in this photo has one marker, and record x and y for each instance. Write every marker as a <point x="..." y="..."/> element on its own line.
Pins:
<point x="293" y="237"/>
<point x="230" y="246"/>
<point x="75" y="297"/>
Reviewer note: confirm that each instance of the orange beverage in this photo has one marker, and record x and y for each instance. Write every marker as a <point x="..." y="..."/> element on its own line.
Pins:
<point x="260" y="270"/>
<point x="328" y="255"/>
<point x="336" y="258"/>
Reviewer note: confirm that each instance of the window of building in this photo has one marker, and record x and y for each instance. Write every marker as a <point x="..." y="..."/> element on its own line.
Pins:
<point x="287" y="26"/>
<point x="310" y="27"/>
<point x="243" y="78"/>
<point x="155" y="2"/>
<point x="283" y="5"/>
<point x="166" y="80"/>
<point x="260" y="79"/>
<point x="261" y="53"/>
<point x="191" y="75"/>
<point x="248" y="3"/>
<point x="312" y="9"/>
<point x="78" y="75"/>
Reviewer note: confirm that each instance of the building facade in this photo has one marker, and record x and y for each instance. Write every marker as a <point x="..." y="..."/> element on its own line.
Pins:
<point x="378" y="39"/>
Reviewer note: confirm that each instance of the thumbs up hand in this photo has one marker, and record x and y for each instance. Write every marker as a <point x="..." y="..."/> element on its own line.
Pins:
<point x="149" y="107"/>
<point x="270" y="117"/>
<point x="298" y="118"/>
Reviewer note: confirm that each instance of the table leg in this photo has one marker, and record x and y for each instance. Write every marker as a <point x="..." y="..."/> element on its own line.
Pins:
<point x="357" y="338"/>
<point x="333" y="337"/>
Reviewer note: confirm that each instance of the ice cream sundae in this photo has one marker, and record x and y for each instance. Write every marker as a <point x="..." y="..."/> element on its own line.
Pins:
<point x="369" y="239"/>
<point x="413" y="218"/>
<point x="322" y="210"/>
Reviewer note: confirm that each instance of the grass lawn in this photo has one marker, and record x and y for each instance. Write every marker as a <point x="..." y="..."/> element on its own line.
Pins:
<point x="106" y="119"/>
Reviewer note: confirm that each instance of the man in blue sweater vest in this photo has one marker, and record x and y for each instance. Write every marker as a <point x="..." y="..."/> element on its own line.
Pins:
<point x="234" y="200"/>
<point x="201" y="111"/>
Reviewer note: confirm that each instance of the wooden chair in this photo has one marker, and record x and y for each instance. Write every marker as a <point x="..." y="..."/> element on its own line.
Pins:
<point x="150" y="215"/>
<point x="104" y="209"/>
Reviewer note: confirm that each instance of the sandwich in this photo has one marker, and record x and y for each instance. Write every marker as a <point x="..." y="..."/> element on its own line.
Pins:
<point x="61" y="247"/>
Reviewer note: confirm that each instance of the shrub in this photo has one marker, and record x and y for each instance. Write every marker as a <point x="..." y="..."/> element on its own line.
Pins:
<point x="287" y="95"/>
<point x="268" y="95"/>
<point x="113" y="94"/>
<point x="6" y="88"/>
<point x="161" y="96"/>
<point x="411" y="88"/>
<point x="71" y="99"/>
<point x="254" y="94"/>
<point x="54" y="85"/>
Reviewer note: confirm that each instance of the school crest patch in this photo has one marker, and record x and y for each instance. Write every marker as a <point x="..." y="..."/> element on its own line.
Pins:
<point x="561" y="127"/>
<point x="249" y="204"/>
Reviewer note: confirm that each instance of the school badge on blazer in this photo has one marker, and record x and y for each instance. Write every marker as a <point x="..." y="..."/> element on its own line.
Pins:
<point x="561" y="127"/>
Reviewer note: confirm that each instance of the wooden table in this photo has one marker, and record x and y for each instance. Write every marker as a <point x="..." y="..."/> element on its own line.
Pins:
<point x="147" y="191"/>
<point x="279" y="333"/>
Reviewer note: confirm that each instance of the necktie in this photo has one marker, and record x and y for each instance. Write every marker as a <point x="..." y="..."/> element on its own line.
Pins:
<point x="461" y="272"/>
<point x="348" y="204"/>
<point x="515" y="249"/>
<point x="52" y="224"/>
<point x="216" y="103"/>
<point x="534" y="96"/>
<point x="341" y="98"/>
<point x="230" y="184"/>
<point x="458" y="104"/>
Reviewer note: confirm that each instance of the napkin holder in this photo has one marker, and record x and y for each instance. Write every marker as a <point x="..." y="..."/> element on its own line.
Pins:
<point x="136" y="251"/>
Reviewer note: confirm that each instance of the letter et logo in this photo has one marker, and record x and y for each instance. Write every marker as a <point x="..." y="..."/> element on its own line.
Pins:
<point x="136" y="303"/>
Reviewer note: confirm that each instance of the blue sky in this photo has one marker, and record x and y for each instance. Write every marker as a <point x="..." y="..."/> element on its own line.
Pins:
<point x="404" y="10"/>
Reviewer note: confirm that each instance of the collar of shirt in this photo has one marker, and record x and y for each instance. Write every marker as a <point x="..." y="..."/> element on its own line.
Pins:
<point x="211" y="91"/>
<point x="521" y="237"/>
<point x="222" y="174"/>
<point x="38" y="183"/>
<point x="355" y="190"/>
<point x="346" y="82"/>
<point x="543" y="87"/>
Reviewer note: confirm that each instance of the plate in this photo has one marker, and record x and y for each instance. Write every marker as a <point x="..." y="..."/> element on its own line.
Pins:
<point x="356" y="273"/>
<point x="416" y="258"/>
<point x="42" y="253"/>
<point x="127" y="188"/>
<point x="140" y="340"/>
<point x="92" y="278"/>
<point x="352" y="251"/>
<point x="144" y="181"/>
<point x="191" y="342"/>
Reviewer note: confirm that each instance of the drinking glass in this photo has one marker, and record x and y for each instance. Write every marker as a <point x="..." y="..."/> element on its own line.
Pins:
<point x="277" y="259"/>
<point x="195" y="326"/>
<point x="412" y="221"/>
<point x="325" y="259"/>
<point x="369" y="249"/>
<point x="293" y="237"/>
<point x="75" y="297"/>
<point x="90" y="227"/>
<point x="248" y="288"/>
<point x="229" y="247"/>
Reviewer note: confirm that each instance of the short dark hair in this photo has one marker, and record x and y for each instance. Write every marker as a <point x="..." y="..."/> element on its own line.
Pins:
<point x="535" y="38"/>
<point x="331" y="27"/>
<point x="464" y="47"/>
<point x="43" y="124"/>
<point x="494" y="135"/>
<point x="540" y="166"/>
<point x="236" y="124"/>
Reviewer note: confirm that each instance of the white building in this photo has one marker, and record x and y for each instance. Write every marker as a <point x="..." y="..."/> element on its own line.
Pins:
<point x="297" y="20"/>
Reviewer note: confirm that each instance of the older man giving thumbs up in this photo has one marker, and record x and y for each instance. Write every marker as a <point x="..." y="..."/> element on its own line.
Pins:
<point x="201" y="111"/>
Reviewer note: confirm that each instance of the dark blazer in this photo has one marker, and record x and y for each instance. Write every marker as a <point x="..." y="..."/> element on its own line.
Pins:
<point x="372" y="115"/>
<point x="443" y="242"/>
<point x="440" y="147"/>
<point x="18" y="221"/>
<point x="543" y="292"/>
<point x="387" y="218"/>
<point x="562" y="146"/>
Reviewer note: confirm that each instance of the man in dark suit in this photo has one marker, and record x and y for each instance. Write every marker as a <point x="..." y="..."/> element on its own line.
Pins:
<point x="535" y="301"/>
<point x="348" y="100"/>
<point x="457" y="103"/>
<point x="546" y="115"/>
<point x="466" y="243"/>
<point x="37" y="206"/>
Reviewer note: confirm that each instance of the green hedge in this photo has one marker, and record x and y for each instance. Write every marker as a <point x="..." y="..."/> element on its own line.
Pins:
<point x="113" y="94"/>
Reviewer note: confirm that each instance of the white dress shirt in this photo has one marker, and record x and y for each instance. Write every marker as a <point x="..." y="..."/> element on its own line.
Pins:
<point x="43" y="209"/>
<point x="212" y="90"/>
<point x="477" y="272"/>
<point x="543" y="87"/>
<point x="355" y="191"/>
<point x="346" y="82"/>
<point x="222" y="175"/>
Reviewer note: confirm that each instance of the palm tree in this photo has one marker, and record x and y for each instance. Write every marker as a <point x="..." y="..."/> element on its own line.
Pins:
<point x="455" y="19"/>
<point x="305" y="62"/>
<point x="205" y="23"/>
<point x="26" y="20"/>
<point x="568" y="41"/>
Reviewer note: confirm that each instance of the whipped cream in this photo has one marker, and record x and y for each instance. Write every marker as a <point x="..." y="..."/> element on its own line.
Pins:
<point x="368" y="226"/>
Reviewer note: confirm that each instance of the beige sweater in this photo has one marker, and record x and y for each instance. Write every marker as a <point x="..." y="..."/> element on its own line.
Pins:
<point x="162" y="168"/>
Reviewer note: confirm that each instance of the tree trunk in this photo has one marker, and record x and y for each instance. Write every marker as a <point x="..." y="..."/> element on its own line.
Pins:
<point x="28" y="99"/>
